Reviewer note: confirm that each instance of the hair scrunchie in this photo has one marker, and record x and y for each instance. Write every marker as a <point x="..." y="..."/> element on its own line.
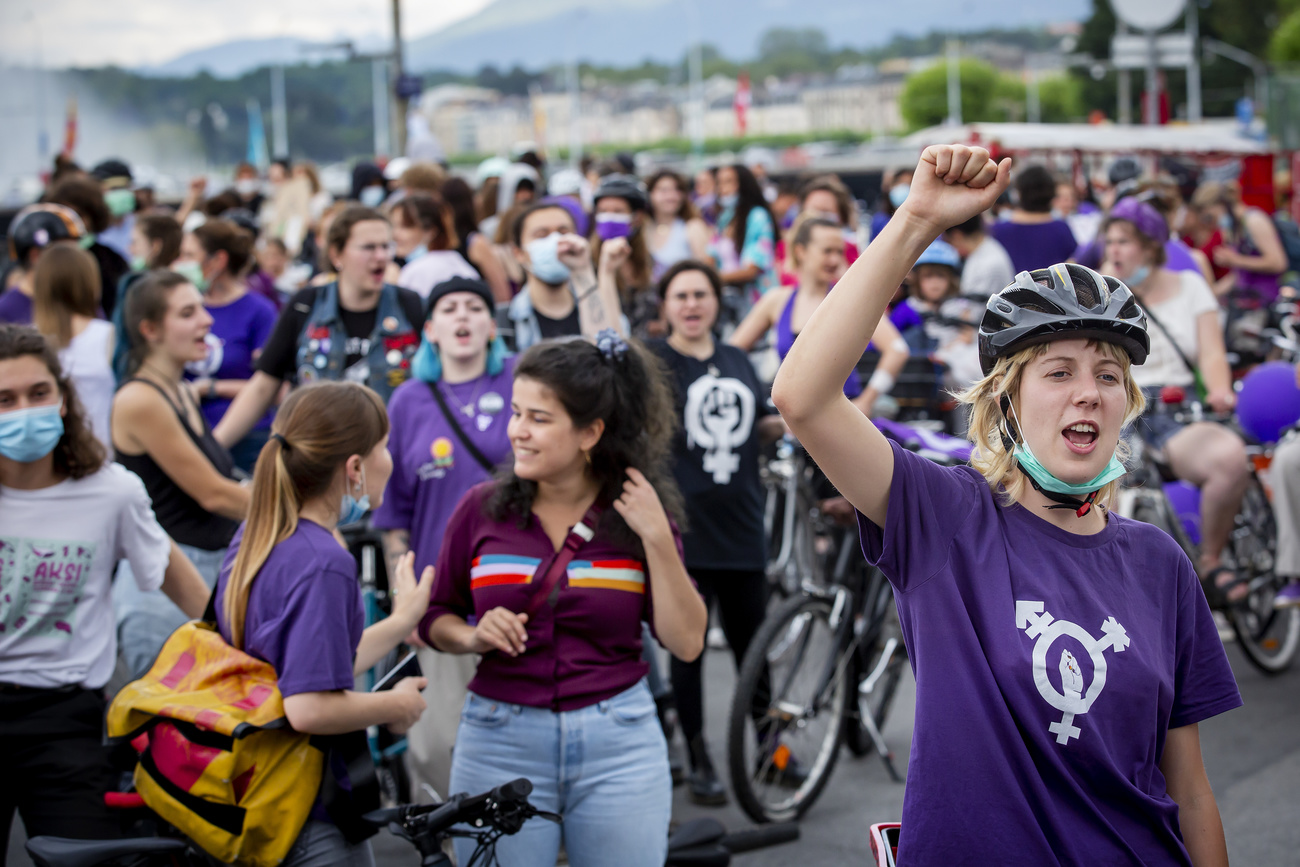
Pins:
<point x="611" y="344"/>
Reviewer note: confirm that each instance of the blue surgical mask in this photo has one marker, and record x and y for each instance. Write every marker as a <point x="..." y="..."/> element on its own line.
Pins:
<point x="351" y="509"/>
<point x="416" y="253"/>
<point x="1048" y="482"/>
<point x="898" y="194"/>
<point x="1225" y="222"/>
<point x="28" y="435"/>
<point x="730" y="200"/>
<point x="1138" y="277"/>
<point x="373" y="197"/>
<point x="544" y="260"/>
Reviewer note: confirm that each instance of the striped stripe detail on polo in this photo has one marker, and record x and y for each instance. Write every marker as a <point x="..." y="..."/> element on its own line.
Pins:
<point x="626" y="575"/>
<point x="491" y="570"/>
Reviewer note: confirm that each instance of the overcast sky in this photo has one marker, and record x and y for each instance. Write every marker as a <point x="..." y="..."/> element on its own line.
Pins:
<point x="142" y="32"/>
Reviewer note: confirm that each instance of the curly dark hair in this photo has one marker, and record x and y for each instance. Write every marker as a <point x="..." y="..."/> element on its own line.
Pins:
<point x="78" y="454"/>
<point x="634" y="399"/>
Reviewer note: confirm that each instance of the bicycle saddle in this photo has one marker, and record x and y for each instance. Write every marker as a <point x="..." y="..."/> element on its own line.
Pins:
<point x="64" y="852"/>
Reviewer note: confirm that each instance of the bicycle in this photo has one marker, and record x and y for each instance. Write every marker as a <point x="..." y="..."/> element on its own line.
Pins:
<point x="792" y="519"/>
<point x="823" y="670"/>
<point x="1269" y="637"/>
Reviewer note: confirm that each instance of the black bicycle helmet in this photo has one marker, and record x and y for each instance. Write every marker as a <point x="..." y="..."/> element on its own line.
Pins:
<point x="625" y="187"/>
<point x="38" y="226"/>
<point x="1061" y="302"/>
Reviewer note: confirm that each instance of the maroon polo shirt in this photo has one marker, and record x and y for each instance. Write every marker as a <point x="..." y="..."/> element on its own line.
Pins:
<point x="583" y="650"/>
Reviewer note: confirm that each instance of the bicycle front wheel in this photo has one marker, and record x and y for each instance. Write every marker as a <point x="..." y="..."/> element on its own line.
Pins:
<point x="1269" y="637"/>
<point x="787" y="715"/>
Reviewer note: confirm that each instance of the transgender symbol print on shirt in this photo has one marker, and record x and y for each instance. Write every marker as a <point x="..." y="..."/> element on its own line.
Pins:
<point x="1071" y="700"/>
<point x="718" y="418"/>
<point x="41" y="584"/>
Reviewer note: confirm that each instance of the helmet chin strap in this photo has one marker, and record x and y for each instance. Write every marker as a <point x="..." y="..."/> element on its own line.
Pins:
<point x="1063" y="501"/>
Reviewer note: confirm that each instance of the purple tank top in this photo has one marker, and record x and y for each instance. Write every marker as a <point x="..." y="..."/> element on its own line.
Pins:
<point x="785" y="339"/>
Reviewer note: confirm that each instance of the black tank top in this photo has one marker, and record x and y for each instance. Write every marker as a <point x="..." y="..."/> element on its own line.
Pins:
<point x="179" y="513"/>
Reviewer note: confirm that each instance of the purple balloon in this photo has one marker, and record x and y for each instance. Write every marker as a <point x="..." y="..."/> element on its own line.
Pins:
<point x="1186" y="500"/>
<point x="1269" y="401"/>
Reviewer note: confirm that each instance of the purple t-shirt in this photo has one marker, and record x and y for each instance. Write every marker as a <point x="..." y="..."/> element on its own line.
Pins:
<point x="1035" y="245"/>
<point x="15" y="307"/>
<point x="431" y="468"/>
<point x="305" y="613"/>
<point x="583" y="650"/>
<point x="1050" y="667"/>
<point x="238" y="331"/>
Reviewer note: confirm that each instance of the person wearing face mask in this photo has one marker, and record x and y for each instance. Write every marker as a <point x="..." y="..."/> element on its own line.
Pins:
<point x="32" y="231"/>
<point x="214" y="257"/>
<point x="356" y="327"/>
<point x="1187" y="351"/>
<point x="82" y="194"/>
<point x="675" y="230"/>
<point x="618" y="247"/>
<point x="161" y="435"/>
<point x="1032" y="236"/>
<point x="826" y="198"/>
<point x="1073" y="643"/>
<point x="744" y="243"/>
<point x="895" y="188"/>
<point x="448" y="433"/>
<point x="1251" y="248"/>
<point x="369" y="186"/>
<point x="155" y="243"/>
<point x="68" y="517"/>
<point x="425" y="240"/>
<point x="289" y="595"/>
<point x="561" y="296"/>
<point x="248" y="186"/>
<point x="115" y="179"/>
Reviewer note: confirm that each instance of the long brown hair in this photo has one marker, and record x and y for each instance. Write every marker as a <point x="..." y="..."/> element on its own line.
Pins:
<point x="687" y="210"/>
<point x="316" y="430"/>
<point x="66" y="282"/>
<point x="429" y="212"/>
<point x="77" y="454"/>
<point x="225" y="235"/>
<point x="634" y="399"/>
<point x="147" y="302"/>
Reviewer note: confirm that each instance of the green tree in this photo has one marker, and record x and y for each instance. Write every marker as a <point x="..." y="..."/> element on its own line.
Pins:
<point x="1284" y="46"/>
<point x="924" y="101"/>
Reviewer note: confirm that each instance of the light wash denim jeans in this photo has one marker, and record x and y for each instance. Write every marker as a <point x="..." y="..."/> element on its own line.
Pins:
<point x="145" y="620"/>
<point x="604" y="768"/>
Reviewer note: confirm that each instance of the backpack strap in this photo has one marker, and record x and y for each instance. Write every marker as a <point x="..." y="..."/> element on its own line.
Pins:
<point x="583" y="531"/>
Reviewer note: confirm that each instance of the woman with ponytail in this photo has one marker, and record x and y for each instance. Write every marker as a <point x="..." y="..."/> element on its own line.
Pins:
<point x="288" y="592"/>
<point x="559" y="560"/>
<point x="459" y="396"/>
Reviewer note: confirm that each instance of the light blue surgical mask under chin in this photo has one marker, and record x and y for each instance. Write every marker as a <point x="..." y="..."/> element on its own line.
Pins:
<point x="416" y="253"/>
<point x="351" y="509"/>
<point x="730" y="200"/>
<point x="1048" y="482"/>
<point x="898" y="194"/>
<point x="373" y="197"/>
<point x="1138" y="277"/>
<point x="544" y="260"/>
<point x="28" y="435"/>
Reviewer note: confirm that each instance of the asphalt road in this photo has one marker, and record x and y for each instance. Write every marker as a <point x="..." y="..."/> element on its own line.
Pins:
<point x="1252" y="755"/>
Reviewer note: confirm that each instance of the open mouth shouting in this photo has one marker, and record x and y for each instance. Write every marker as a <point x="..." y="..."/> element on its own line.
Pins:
<point x="1081" y="437"/>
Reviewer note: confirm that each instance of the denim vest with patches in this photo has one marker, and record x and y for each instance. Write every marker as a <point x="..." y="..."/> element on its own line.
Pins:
<point x="322" y="346"/>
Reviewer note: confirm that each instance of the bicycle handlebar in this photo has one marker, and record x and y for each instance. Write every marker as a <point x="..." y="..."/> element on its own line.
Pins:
<point x="457" y="809"/>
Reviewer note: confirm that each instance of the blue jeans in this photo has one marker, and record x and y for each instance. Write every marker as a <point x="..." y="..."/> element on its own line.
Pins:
<point x="145" y="620"/>
<point x="604" y="768"/>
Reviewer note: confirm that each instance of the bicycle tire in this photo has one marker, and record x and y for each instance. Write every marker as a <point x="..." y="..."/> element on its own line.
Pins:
<point x="1268" y="637"/>
<point x="814" y="610"/>
<point x="856" y="737"/>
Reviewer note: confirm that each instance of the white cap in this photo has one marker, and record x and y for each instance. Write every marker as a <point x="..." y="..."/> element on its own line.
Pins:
<point x="396" y="167"/>
<point x="565" y="182"/>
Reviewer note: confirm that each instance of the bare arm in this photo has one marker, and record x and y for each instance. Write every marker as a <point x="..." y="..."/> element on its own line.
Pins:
<point x="1272" y="255"/>
<point x="484" y="258"/>
<point x="760" y="319"/>
<point x="341" y="711"/>
<point x="743" y="275"/>
<point x="252" y="402"/>
<point x="893" y="355"/>
<point x="143" y="422"/>
<point x="184" y="586"/>
<point x="697" y="235"/>
<point x="952" y="183"/>
<point x="1198" y="811"/>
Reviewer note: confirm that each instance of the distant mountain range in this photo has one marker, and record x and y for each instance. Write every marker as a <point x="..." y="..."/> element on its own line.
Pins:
<point x="539" y="33"/>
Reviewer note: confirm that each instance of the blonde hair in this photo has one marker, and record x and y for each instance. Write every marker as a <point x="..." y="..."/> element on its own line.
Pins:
<point x="989" y="428"/>
<point x="317" y="428"/>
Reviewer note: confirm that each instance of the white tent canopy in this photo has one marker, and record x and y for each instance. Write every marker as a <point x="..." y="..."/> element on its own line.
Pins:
<point x="1214" y="137"/>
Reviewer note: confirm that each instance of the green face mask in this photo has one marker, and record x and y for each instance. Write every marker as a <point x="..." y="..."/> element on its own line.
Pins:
<point x="193" y="272"/>
<point x="139" y="263"/>
<point x="1048" y="482"/>
<point x="120" y="202"/>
